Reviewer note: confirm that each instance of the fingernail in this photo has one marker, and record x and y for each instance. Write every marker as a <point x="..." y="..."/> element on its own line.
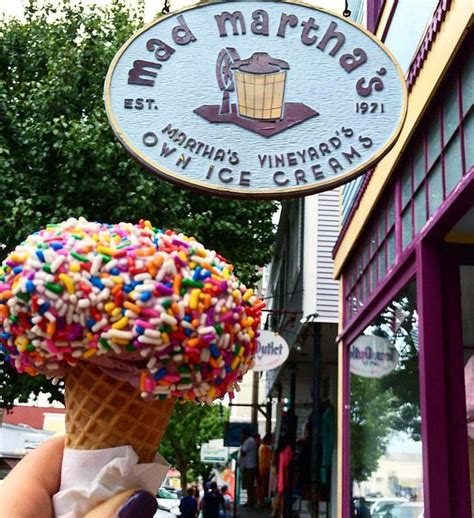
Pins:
<point x="140" y="505"/>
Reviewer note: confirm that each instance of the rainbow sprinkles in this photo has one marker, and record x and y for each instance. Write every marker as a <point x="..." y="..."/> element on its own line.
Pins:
<point x="150" y="306"/>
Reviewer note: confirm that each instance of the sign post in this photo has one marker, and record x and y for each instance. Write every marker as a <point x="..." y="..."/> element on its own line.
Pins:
<point x="254" y="99"/>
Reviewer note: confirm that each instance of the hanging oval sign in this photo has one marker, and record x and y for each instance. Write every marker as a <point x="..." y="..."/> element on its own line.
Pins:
<point x="255" y="99"/>
<point x="272" y="351"/>
<point x="372" y="356"/>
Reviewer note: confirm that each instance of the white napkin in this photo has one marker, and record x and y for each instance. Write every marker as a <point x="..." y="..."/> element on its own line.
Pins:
<point x="89" y="477"/>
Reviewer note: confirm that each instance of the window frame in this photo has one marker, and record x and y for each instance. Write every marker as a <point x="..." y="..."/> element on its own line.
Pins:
<point x="405" y="209"/>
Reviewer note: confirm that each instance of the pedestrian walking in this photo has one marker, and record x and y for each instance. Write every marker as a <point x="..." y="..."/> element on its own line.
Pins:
<point x="265" y="455"/>
<point x="248" y="465"/>
<point x="188" y="505"/>
<point x="285" y="456"/>
<point x="212" y="502"/>
<point x="227" y="511"/>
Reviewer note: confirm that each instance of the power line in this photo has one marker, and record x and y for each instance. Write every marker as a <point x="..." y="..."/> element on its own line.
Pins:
<point x="280" y="295"/>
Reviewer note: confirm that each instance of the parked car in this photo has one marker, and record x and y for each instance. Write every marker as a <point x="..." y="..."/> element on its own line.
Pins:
<point x="163" y="514"/>
<point x="408" y="510"/>
<point x="173" y="490"/>
<point x="368" y="502"/>
<point x="164" y="492"/>
<point x="168" y="502"/>
<point x="382" y="505"/>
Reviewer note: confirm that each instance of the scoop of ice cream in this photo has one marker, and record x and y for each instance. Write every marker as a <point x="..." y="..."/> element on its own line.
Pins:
<point x="153" y="307"/>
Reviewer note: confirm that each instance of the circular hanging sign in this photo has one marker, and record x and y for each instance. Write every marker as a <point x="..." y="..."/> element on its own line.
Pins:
<point x="255" y="99"/>
<point x="372" y="356"/>
<point x="272" y="351"/>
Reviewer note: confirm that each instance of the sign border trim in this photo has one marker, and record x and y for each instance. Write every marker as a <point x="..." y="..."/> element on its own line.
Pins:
<point x="260" y="194"/>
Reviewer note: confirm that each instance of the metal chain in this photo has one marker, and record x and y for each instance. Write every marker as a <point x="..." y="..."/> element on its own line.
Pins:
<point x="346" y="11"/>
<point x="166" y="7"/>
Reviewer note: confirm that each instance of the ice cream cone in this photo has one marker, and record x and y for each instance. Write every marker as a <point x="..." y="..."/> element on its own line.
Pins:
<point x="102" y="412"/>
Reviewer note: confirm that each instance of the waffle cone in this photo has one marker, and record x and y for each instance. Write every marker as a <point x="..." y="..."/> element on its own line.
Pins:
<point x="102" y="412"/>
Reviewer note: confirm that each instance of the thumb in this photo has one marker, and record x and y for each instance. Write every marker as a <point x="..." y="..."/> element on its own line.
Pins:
<point x="134" y="503"/>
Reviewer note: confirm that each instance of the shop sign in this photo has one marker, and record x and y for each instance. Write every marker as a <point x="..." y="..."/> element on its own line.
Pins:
<point x="272" y="351"/>
<point x="255" y="99"/>
<point x="372" y="356"/>
<point x="233" y="432"/>
<point x="214" y="451"/>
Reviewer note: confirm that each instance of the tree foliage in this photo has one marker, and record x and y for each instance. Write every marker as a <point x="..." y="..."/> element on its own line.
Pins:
<point x="190" y="426"/>
<point x="371" y="425"/>
<point x="17" y="387"/>
<point x="404" y="381"/>
<point x="59" y="158"/>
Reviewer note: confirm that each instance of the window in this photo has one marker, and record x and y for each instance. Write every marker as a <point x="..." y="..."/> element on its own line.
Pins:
<point x="349" y="195"/>
<point x="357" y="9"/>
<point x="406" y="31"/>
<point x="376" y="256"/>
<point x="293" y="247"/>
<point x="287" y="264"/>
<point x="440" y="154"/>
<point x="453" y="163"/>
<point x="385" y="427"/>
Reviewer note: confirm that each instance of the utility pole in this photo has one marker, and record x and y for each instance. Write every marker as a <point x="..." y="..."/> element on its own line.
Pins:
<point x="268" y="424"/>
<point x="256" y="376"/>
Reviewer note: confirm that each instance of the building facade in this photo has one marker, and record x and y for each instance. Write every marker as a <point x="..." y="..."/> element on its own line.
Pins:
<point x="302" y="298"/>
<point x="405" y="261"/>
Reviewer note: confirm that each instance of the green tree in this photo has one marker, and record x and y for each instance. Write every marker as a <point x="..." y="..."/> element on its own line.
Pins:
<point x="59" y="158"/>
<point x="401" y="321"/>
<point x="190" y="426"/>
<point x="14" y="386"/>
<point x="371" y="424"/>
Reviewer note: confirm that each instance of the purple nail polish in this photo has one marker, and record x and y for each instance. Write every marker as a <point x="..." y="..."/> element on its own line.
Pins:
<point x="140" y="505"/>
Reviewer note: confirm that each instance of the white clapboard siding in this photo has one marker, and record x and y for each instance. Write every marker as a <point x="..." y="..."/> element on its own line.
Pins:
<point x="327" y="289"/>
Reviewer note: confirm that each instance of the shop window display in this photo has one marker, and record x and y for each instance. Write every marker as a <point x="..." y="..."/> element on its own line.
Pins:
<point x="386" y="456"/>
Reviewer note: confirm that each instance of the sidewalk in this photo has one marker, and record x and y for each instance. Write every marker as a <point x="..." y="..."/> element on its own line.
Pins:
<point x="248" y="512"/>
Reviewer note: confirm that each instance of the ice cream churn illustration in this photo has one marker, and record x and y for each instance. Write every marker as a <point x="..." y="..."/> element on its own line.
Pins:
<point x="260" y="84"/>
